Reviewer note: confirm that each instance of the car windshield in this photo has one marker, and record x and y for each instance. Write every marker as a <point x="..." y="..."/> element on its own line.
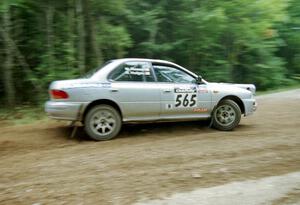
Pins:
<point x="90" y="73"/>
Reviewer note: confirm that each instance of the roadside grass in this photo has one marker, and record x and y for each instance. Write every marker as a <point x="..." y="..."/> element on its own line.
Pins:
<point x="27" y="114"/>
<point x="24" y="114"/>
<point x="281" y="89"/>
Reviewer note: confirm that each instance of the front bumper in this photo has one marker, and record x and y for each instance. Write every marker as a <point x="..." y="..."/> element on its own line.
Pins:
<point x="250" y="106"/>
<point x="64" y="110"/>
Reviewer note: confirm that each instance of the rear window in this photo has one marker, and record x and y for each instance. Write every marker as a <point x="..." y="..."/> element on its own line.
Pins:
<point x="133" y="71"/>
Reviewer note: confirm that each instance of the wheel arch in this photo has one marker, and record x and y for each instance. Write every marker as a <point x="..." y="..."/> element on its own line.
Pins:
<point x="101" y="102"/>
<point x="235" y="99"/>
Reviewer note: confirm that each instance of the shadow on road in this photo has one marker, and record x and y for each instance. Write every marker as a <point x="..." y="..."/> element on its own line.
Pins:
<point x="142" y="130"/>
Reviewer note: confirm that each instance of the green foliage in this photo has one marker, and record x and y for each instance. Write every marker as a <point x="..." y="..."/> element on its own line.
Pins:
<point x="115" y="38"/>
<point x="6" y="4"/>
<point x="234" y="41"/>
<point x="290" y="32"/>
<point x="241" y="41"/>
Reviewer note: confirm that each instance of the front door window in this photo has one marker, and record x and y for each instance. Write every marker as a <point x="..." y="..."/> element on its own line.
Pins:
<point x="170" y="74"/>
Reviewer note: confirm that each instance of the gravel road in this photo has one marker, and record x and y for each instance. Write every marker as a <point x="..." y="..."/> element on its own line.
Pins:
<point x="40" y="164"/>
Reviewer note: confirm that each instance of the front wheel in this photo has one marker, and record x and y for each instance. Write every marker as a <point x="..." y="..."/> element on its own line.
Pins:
<point x="102" y="122"/>
<point x="226" y="116"/>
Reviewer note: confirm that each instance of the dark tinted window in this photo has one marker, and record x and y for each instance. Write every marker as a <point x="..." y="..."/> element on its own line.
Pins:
<point x="165" y="73"/>
<point x="133" y="71"/>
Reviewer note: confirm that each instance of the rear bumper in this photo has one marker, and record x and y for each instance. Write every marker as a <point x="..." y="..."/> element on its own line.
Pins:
<point x="64" y="110"/>
<point x="250" y="106"/>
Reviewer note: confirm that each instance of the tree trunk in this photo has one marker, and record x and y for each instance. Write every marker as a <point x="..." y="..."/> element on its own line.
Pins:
<point x="152" y="37"/>
<point x="50" y="35"/>
<point x="95" y="56"/>
<point x="96" y="49"/>
<point x="81" y="36"/>
<point x="71" y="36"/>
<point x="8" y="64"/>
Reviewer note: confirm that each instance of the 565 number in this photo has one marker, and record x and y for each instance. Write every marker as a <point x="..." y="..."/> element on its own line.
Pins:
<point x="185" y="100"/>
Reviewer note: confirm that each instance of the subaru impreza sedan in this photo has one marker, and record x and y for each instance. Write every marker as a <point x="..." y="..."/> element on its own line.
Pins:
<point x="146" y="90"/>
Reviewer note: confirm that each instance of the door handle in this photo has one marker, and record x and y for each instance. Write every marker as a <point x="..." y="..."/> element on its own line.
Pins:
<point x="114" y="90"/>
<point x="167" y="91"/>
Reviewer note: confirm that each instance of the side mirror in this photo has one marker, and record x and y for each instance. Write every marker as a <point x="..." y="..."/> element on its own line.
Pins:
<point x="199" y="79"/>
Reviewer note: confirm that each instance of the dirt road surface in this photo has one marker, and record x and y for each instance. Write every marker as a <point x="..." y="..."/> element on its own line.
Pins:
<point x="40" y="164"/>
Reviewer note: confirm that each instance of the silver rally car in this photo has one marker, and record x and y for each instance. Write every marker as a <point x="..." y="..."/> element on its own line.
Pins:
<point x="146" y="90"/>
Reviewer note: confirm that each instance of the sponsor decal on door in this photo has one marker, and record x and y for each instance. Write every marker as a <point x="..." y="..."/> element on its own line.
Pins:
<point x="185" y="97"/>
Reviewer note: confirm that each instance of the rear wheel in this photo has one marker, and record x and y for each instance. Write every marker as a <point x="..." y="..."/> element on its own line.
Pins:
<point x="227" y="115"/>
<point x="102" y="122"/>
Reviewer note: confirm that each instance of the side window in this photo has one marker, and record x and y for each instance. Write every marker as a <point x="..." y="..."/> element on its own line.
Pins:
<point x="165" y="73"/>
<point x="133" y="71"/>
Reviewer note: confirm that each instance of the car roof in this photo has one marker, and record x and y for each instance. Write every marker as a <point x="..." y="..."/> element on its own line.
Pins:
<point x="122" y="60"/>
<point x="143" y="59"/>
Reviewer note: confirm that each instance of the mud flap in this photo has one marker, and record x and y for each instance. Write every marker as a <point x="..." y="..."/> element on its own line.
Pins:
<point x="74" y="124"/>
<point x="74" y="130"/>
<point x="212" y="118"/>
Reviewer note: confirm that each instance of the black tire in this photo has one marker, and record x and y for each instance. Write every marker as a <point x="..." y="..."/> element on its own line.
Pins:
<point x="226" y="116"/>
<point x="102" y="122"/>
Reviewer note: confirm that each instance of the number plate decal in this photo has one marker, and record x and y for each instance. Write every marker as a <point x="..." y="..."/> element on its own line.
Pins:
<point x="185" y="97"/>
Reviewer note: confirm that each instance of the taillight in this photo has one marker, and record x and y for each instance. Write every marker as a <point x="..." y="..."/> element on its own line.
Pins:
<point x="59" y="94"/>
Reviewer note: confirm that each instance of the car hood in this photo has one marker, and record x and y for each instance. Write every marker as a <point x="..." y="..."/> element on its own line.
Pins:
<point x="249" y="87"/>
